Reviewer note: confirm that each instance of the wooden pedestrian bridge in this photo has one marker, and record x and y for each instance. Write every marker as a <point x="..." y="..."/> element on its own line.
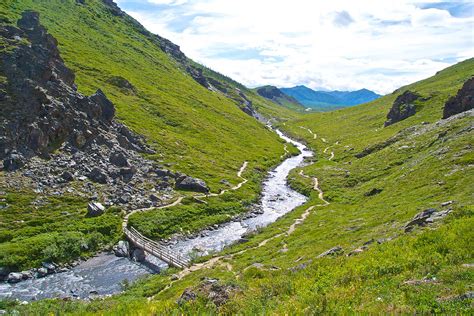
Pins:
<point x="156" y="249"/>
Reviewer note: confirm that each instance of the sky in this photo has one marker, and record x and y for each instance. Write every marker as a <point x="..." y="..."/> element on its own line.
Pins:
<point x="326" y="45"/>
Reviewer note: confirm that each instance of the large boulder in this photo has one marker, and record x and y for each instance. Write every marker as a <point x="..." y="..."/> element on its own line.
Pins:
<point x="97" y="175"/>
<point x="95" y="209"/>
<point x="122" y="249"/>
<point x="402" y="108"/>
<point x="191" y="184"/>
<point x="138" y="255"/>
<point x="14" y="277"/>
<point x="107" y="109"/>
<point x="119" y="159"/>
<point x="462" y="101"/>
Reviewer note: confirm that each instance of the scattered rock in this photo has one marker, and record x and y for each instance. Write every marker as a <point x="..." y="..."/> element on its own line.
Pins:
<point x="225" y="182"/>
<point x="13" y="162"/>
<point x="119" y="159"/>
<point x="28" y="274"/>
<point x="154" y="198"/>
<point x="188" y="295"/>
<point x="41" y="272"/>
<point x="95" y="209"/>
<point x="98" y="176"/>
<point x="67" y="176"/>
<point x="462" y="297"/>
<point x="373" y="192"/>
<point x="14" y="277"/>
<point x="138" y="255"/>
<point x="463" y="101"/>
<point x="300" y="266"/>
<point x="192" y="184"/>
<point x="332" y="252"/>
<point x="428" y="216"/>
<point x="174" y="277"/>
<point x="402" y="108"/>
<point x="357" y="251"/>
<point x="122" y="249"/>
<point x="420" y="282"/>
<point x="446" y="203"/>
<point x="51" y="267"/>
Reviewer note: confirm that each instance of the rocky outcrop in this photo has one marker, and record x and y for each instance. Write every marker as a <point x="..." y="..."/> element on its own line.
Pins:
<point x="426" y="217"/>
<point x="209" y="289"/>
<point x="402" y="108"/>
<point x="192" y="184"/>
<point x="52" y="134"/>
<point x="122" y="249"/>
<point x="95" y="209"/>
<point x="334" y="251"/>
<point x="462" y="101"/>
<point x="42" y="109"/>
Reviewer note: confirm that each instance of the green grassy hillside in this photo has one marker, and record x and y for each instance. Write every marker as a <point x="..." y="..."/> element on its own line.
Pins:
<point x="181" y="119"/>
<point x="279" y="271"/>
<point x="194" y="130"/>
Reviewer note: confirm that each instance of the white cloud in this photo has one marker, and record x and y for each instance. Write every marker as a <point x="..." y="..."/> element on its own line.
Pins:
<point x="378" y="45"/>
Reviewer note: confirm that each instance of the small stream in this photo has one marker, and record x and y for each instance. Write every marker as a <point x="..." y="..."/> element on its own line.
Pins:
<point x="106" y="273"/>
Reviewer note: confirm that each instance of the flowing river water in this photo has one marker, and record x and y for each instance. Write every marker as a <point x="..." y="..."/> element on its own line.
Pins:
<point x="106" y="273"/>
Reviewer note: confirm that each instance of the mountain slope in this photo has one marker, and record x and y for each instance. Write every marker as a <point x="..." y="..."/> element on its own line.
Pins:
<point x="179" y="117"/>
<point x="154" y="90"/>
<point x="350" y="249"/>
<point x="329" y="99"/>
<point x="276" y="95"/>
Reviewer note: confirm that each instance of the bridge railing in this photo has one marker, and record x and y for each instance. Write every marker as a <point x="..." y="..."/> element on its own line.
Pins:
<point x="156" y="249"/>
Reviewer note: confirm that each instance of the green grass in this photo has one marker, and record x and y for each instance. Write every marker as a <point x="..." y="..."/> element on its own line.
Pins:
<point x="425" y="166"/>
<point x="35" y="228"/>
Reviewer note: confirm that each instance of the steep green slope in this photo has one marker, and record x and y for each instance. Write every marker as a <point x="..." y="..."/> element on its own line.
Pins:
<point x="181" y="119"/>
<point x="369" y="201"/>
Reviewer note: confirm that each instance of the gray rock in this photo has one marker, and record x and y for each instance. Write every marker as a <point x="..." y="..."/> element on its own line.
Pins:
<point x="14" y="277"/>
<point x="13" y="162"/>
<point x="402" y="108"/>
<point x="188" y="295"/>
<point x="95" y="209"/>
<point x="97" y="175"/>
<point x="41" y="272"/>
<point x="138" y="255"/>
<point x="420" y="219"/>
<point x="446" y="203"/>
<point x="331" y="252"/>
<point x="51" y="267"/>
<point x="154" y="198"/>
<point x="119" y="159"/>
<point x="122" y="249"/>
<point x="463" y="101"/>
<point x="192" y="184"/>
<point x="67" y="176"/>
<point x="28" y="274"/>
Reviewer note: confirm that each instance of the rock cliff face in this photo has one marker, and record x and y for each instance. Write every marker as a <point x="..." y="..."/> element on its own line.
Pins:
<point x="59" y="135"/>
<point x="42" y="110"/>
<point x="463" y="101"/>
<point x="402" y="108"/>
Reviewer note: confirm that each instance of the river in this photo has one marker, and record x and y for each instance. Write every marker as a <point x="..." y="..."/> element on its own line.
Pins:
<point x="106" y="273"/>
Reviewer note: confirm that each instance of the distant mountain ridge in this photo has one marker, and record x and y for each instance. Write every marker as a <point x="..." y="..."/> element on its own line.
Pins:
<point x="276" y="95"/>
<point x="329" y="99"/>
